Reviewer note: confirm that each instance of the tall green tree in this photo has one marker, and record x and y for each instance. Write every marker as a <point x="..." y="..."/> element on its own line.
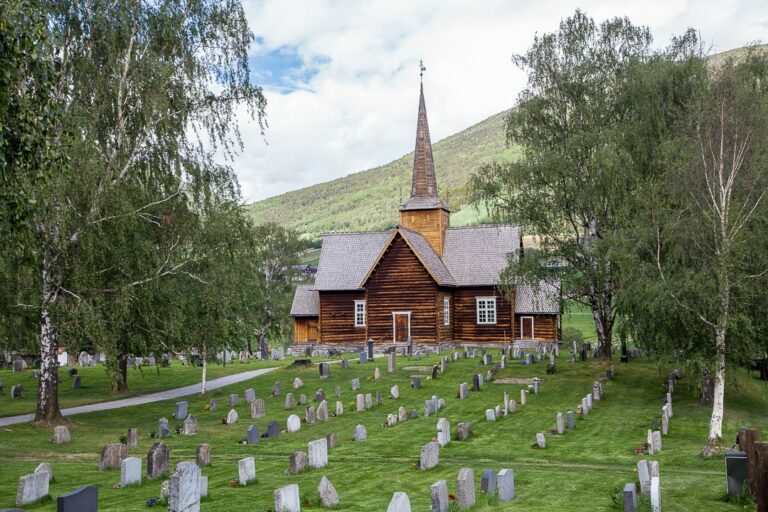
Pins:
<point x="570" y="183"/>
<point x="696" y="264"/>
<point x="148" y="91"/>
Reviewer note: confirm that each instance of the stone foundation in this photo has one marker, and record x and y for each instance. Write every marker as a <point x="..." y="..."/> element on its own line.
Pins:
<point x="328" y="349"/>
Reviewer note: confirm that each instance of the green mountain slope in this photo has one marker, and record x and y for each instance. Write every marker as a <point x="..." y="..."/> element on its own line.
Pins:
<point x="369" y="200"/>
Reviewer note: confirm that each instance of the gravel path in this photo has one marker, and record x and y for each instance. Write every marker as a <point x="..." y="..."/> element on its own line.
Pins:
<point x="146" y="399"/>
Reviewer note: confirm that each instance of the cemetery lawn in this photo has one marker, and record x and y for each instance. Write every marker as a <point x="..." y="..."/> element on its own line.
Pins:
<point x="580" y="471"/>
<point x="96" y="384"/>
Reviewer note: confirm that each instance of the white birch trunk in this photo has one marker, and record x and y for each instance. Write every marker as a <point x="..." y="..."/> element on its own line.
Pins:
<point x="718" y="403"/>
<point x="205" y="372"/>
<point x="47" y="387"/>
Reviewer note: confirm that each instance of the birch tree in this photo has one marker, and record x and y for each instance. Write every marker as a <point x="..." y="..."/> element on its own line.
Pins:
<point x="148" y="91"/>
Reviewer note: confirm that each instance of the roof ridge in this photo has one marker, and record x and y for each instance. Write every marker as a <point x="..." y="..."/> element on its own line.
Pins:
<point x="484" y="226"/>
<point x="340" y="233"/>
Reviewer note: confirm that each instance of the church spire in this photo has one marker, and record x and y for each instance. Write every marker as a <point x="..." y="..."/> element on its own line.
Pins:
<point x="423" y="183"/>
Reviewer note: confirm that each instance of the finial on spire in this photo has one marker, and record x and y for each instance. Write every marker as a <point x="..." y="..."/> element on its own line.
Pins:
<point x="422" y="69"/>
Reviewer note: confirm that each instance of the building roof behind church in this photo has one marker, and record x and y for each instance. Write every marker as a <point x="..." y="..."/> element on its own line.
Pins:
<point x="306" y="301"/>
<point x="472" y="256"/>
<point x="544" y="299"/>
<point x="476" y="256"/>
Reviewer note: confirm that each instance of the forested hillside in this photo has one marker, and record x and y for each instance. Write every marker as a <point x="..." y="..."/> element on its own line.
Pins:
<point x="369" y="200"/>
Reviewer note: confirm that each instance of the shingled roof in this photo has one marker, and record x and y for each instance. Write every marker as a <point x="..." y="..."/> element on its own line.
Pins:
<point x="306" y="301"/>
<point x="545" y="299"/>
<point x="346" y="258"/>
<point x="428" y="256"/>
<point x="476" y="256"/>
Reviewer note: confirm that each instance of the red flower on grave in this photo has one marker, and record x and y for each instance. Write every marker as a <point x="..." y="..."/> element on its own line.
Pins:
<point x="452" y="497"/>
<point x="235" y="482"/>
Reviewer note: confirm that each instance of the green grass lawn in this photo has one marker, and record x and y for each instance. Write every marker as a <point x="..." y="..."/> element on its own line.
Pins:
<point x="96" y="384"/>
<point x="579" y="471"/>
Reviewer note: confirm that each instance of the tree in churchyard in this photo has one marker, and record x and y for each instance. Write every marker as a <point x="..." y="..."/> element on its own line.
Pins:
<point x="697" y="268"/>
<point x="148" y="91"/>
<point x="273" y="268"/>
<point x="571" y="180"/>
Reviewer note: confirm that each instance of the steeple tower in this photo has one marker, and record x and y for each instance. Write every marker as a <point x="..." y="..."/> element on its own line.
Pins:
<point x="424" y="212"/>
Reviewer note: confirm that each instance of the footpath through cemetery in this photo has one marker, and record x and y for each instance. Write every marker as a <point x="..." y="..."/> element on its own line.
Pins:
<point x="462" y="428"/>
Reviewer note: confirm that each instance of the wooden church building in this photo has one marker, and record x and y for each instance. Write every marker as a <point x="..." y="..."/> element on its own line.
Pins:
<point x="422" y="280"/>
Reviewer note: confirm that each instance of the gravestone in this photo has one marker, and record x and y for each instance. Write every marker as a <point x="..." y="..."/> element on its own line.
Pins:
<point x="399" y="503"/>
<point x="325" y="370"/>
<point x="430" y="455"/>
<point x="287" y="499"/>
<point x="536" y="384"/>
<point x="17" y="366"/>
<point x="355" y="384"/>
<point x="133" y="437"/>
<point x="541" y="441"/>
<point x="649" y="441"/>
<point x="463" y="390"/>
<point x="465" y="488"/>
<point x="402" y="414"/>
<point x="394" y="392"/>
<point x="203" y="487"/>
<point x="487" y="359"/>
<point x="376" y="373"/>
<point x="82" y="499"/>
<point x="297" y="462"/>
<point x="190" y="426"/>
<point x="378" y="398"/>
<point x="112" y="455"/>
<point x="391" y="363"/>
<point x="60" y="435"/>
<point x="416" y="382"/>
<point x="584" y="407"/>
<point x="309" y="415"/>
<point x="512" y="405"/>
<point x="391" y="420"/>
<point x="476" y="382"/>
<point x="233" y="400"/>
<point x="77" y="383"/>
<point x="664" y="421"/>
<point x="157" y="460"/>
<point x="363" y="357"/>
<point x="327" y="492"/>
<point x="339" y="408"/>
<point x="630" y="498"/>
<point x="463" y="430"/>
<point x="250" y="395"/>
<point x="277" y="389"/>
<point x="46" y="468"/>
<point x="490" y="415"/>
<point x="504" y="361"/>
<point x="293" y="424"/>
<point x="130" y="471"/>
<point x="298" y="383"/>
<point x="560" y="424"/>
<point x="162" y="428"/>
<point x="32" y="488"/>
<point x="361" y="434"/>
<point x="435" y="370"/>
<point x="656" y="438"/>
<point x="246" y="470"/>
<point x="232" y="417"/>
<point x="439" y="492"/>
<point x="337" y="391"/>
<point x="505" y="483"/>
<point x="333" y="440"/>
<point x="345" y="364"/>
<point x="257" y="408"/>
<point x="322" y="411"/>
<point x="181" y="411"/>
<point x="589" y="401"/>
<point x="318" y="453"/>
<point x="644" y="476"/>
<point x="203" y="455"/>
<point x="488" y="482"/>
<point x="290" y="402"/>
<point x="360" y="402"/>
<point x="523" y="396"/>
<point x="569" y="420"/>
<point x="669" y="405"/>
<point x="655" y="494"/>
<point x="273" y="429"/>
<point x="443" y="432"/>
<point x="252" y="434"/>
<point x="597" y="391"/>
<point x="213" y="405"/>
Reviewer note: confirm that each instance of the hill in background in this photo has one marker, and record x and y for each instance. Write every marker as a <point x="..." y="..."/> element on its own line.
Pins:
<point x="369" y="200"/>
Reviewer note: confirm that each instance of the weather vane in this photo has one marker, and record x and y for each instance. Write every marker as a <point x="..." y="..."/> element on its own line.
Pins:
<point x="422" y="69"/>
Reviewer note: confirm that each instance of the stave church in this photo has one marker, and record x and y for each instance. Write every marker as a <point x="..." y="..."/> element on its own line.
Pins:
<point x="422" y="282"/>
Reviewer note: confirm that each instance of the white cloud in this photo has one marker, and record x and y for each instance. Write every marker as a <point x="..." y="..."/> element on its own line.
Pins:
<point x="359" y="109"/>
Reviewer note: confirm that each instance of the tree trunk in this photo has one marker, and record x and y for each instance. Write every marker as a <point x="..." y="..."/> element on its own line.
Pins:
<point x="604" y="327"/>
<point x="205" y="372"/>
<point x="48" y="383"/>
<point x="250" y="347"/>
<point x="263" y="346"/>
<point x="718" y="402"/>
<point x="122" y="381"/>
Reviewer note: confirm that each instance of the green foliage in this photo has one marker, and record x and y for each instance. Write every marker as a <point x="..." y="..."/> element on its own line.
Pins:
<point x="369" y="200"/>
<point x="572" y="334"/>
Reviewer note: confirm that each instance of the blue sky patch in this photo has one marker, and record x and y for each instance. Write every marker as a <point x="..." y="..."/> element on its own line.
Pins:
<point x="284" y="69"/>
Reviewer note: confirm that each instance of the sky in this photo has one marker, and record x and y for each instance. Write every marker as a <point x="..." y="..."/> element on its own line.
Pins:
<point x="341" y="78"/>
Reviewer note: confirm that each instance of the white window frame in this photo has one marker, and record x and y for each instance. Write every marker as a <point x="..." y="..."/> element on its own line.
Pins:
<point x="533" y="327"/>
<point x="446" y="311"/>
<point x="394" y="325"/>
<point x="360" y="311"/>
<point x="485" y="310"/>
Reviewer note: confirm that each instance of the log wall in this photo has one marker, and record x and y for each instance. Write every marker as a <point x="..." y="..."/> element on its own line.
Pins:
<point x="544" y="327"/>
<point x="465" y="326"/>
<point x="337" y="317"/>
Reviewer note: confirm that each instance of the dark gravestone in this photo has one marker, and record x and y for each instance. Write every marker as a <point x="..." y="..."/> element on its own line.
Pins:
<point x="273" y="429"/>
<point x="319" y="395"/>
<point x="325" y="370"/>
<point x="1" y="386"/>
<point x="157" y="460"/>
<point x="82" y="499"/>
<point x="416" y="382"/>
<point x="476" y="382"/>
<point x="434" y="371"/>
<point x="17" y="391"/>
<point x="253" y="434"/>
<point x="277" y="389"/>
<point x="363" y="357"/>
<point x="378" y="398"/>
<point x="72" y="372"/>
<point x="76" y="383"/>
<point x="345" y="364"/>
<point x="488" y="482"/>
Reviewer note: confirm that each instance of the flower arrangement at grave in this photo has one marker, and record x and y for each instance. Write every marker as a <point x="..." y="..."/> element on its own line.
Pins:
<point x="452" y="497"/>
<point x="235" y="482"/>
<point x="207" y="407"/>
<point x="224" y="420"/>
